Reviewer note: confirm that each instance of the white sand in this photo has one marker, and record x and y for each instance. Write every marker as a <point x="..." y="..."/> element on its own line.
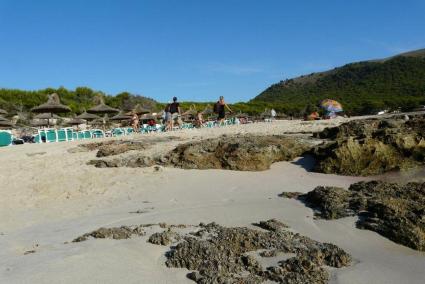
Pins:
<point x="51" y="198"/>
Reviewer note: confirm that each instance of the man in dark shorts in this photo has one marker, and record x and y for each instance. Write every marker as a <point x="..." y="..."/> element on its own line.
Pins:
<point x="220" y="108"/>
<point x="175" y="112"/>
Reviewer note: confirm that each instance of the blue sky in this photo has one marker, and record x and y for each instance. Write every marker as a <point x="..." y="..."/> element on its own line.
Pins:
<point x="196" y="50"/>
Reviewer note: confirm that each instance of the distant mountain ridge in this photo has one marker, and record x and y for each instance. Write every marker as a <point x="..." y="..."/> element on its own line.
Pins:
<point x="362" y="87"/>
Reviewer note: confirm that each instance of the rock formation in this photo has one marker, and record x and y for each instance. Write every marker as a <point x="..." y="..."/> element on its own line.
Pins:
<point x="372" y="146"/>
<point x="394" y="211"/>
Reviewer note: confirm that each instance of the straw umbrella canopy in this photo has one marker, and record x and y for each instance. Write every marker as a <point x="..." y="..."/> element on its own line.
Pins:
<point x="121" y="116"/>
<point x="87" y="116"/>
<point x="3" y="119"/>
<point x="52" y="106"/>
<point x="2" y="111"/>
<point x="138" y="109"/>
<point x="102" y="108"/>
<point x="76" y="121"/>
<point x="46" y="115"/>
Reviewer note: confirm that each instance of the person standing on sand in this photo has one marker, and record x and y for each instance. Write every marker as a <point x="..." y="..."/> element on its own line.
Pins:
<point x="175" y="112"/>
<point x="220" y="109"/>
<point x="135" y="122"/>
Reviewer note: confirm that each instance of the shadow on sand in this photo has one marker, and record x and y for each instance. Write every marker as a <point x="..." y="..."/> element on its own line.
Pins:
<point x="307" y="162"/>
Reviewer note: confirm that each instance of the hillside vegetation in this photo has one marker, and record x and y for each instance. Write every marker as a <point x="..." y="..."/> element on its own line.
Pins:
<point x="81" y="98"/>
<point x="362" y="88"/>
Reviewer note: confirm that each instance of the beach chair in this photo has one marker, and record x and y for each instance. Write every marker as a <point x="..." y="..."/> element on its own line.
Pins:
<point x="74" y="135"/>
<point x="51" y="135"/>
<point x="117" y="132"/>
<point x="69" y="134"/>
<point x="5" y="138"/>
<point x="87" y="134"/>
<point x="97" y="133"/>
<point x="61" y="135"/>
<point x="80" y="135"/>
<point x="129" y="130"/>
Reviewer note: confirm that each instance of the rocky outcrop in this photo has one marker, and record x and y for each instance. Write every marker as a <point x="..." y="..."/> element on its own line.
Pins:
<point x="218" y="254"/>
<point x="221" y="255"/>
<point x="372" y="146"/>
<point x="394" y="211"/>
<point x="117" y="233"/>
<point x="164" y="238"/>
<point x="241" y="153"/>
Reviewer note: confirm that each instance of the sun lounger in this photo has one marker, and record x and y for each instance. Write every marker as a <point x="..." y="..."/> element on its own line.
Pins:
<point x="80" y="135"/>
<point x="61" y="135"/>
<point x="117" y="132"/>
<point x="97" y="133"/>
<point x="5" y="138"/>
<point x="51" y="135"/>
<point x="87" y="134"/>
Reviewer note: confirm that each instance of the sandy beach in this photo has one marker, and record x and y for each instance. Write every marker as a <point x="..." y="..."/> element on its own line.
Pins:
<point x="50" y="196"/>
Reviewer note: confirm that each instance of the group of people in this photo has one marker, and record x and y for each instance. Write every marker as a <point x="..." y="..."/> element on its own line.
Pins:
<point x="172" y="115"/>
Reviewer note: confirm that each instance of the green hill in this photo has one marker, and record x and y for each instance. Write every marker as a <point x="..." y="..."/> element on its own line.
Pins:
<point x="362" y="87"/>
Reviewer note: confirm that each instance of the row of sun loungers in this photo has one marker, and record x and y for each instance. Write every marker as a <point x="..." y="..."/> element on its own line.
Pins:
<point x="50" y="135"/>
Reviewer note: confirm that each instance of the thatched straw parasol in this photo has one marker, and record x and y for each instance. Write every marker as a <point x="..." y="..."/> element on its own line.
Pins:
<point x="138" y="109"/>
<point x="87" y="116"/>
<point x="102" y="108"/>
<point x="3" y="119"/>
<point x="52" y="106"/>
<point x="46" y="115"/>
<point x="76" y="121"/>
<point x="121" y="116"/>
<point x="2" y="111"/>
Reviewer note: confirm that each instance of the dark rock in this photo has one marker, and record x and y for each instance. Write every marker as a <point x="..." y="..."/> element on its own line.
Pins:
<point x="272" y="225"/>
<point x="117" y="233"/>
<point x="332" y="202"/>
<point x="394" y="211"/>
<point x="372" y="146"/>
<point x="269" y="253"/>
<point x="290" y="195"/>
<point x="219" y="255"/>
<point x="243" y="153"/>
<point x="164" y="238"/>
